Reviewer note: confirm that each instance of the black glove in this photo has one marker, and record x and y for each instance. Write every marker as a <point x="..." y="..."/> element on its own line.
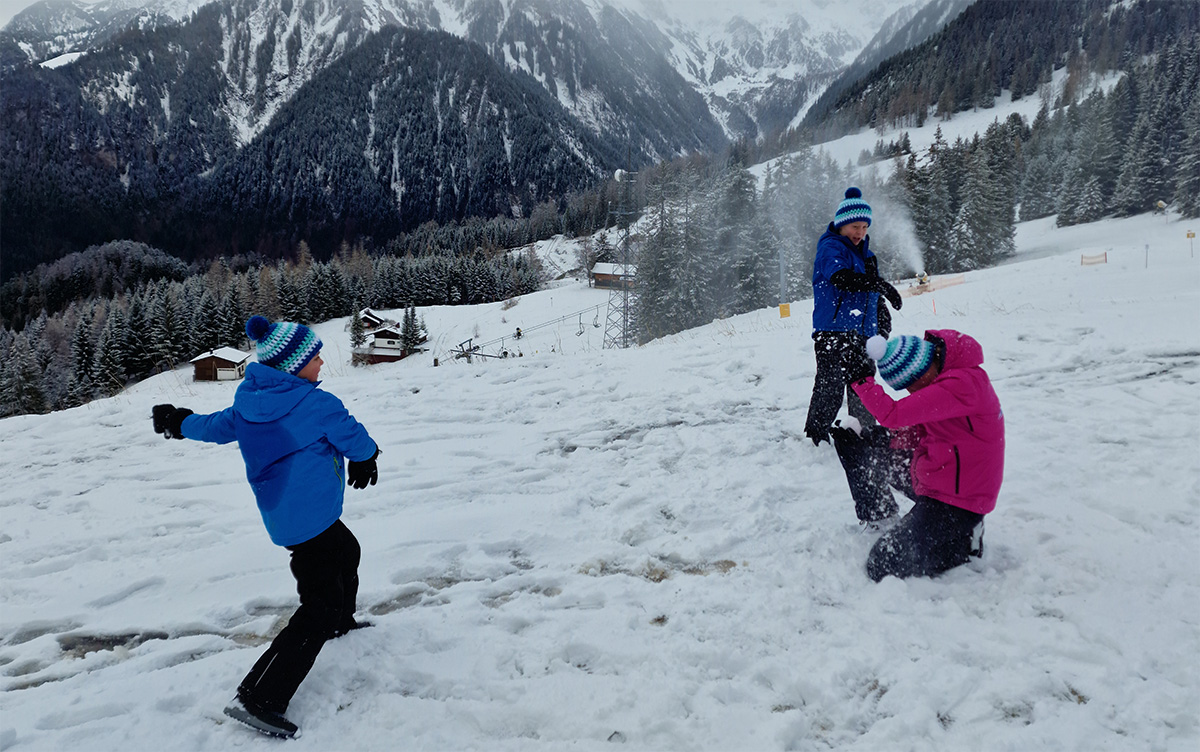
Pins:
<point x="884" y="288"/>
<point x="848" y="281"/>
<point x="843" y="436"/>
<point x="168" y="420"/>
<point x="817" y="434"/>
<point x="883" y="321"/>
<point x="363" y="473"/>
<point x="857" y="366"/>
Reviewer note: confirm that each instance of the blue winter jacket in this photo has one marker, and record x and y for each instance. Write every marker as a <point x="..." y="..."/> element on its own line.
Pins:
<point x="835" y="310"/>
<point x="293" y="438"/>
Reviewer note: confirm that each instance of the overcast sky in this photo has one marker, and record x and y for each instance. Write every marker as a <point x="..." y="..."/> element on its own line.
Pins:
<point x="10" y="8"/>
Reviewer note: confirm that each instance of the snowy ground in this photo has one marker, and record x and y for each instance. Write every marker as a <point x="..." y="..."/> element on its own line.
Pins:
<point x="638" y="549"/>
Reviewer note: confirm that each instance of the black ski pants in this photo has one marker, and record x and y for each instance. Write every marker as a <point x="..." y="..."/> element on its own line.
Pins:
<point x="835" y="352"/>
<point x="326" y="572"/>
<point x="873" y="469"/>
<point x="932" y="538"/>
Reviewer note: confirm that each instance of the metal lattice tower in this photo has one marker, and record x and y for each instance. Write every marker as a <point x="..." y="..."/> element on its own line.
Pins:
<point x="619" y="324"/>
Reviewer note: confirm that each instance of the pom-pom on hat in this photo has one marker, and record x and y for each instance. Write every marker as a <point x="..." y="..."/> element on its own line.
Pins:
<point x="283" y="345"/>
<point x="901" y="360"/>
<point x="852" y="209"/>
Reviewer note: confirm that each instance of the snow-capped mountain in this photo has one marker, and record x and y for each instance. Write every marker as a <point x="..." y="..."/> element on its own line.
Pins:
<point x="54" y="27"/>
<point x="759" y="64"/>
<point x="160" y="118"/>
<point x="907" y="28"/>
<point x="702" y="75"/>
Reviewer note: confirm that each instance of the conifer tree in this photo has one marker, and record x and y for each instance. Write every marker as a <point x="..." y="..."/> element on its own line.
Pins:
<point x="21" y="390"/>
<point x="1135" y="191"/>
<point x="83" y="354"/>
<point x="410" y="330"/>
<point x="1091" y="204"/>
<point x="974" y="222"/>
<point x="207" y="329"/>
<point x="110" y="366"/>
<point x="1187" y="176"/>
<point x="232" y="317"/>
<point x="358" y="334"/>
<point x="166" y="330"/>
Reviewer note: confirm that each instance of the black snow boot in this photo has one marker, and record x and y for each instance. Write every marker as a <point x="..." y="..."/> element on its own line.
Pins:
<point x="243" y="708"/>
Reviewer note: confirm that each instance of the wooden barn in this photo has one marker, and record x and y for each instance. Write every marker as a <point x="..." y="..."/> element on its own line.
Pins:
<point x="610" y="275"/>
<point x="221" y="364"/>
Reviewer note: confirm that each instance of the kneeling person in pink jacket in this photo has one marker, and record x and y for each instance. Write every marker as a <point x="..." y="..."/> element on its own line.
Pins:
<point x="942" y="446"/>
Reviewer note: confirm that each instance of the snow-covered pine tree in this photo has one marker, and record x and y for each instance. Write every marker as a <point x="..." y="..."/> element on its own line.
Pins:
<point x="934" y="213"/>
<point x="739" y="274"/>
<point x="973" y="223"/>
<point x="110" y="366"/>
<point x="231" y="316"/>
<point x="410" y="329"/>
<point x="657" y="256"/>
<point x="690" y="299"/>
<point x="1097" y="147"/>
<point x="1069" y="192"/>
<point x="1090" y="205"/>
<point x="139" y="359"/>
<point x="358" y="333"/>
<point x="291" y="298"/>
<point x="83" y="354"/>
<point x="1187" y="176"/>
<point x="206" y="327"/>
<point x="21" y="390"/>
<point x="1139" y="184"/>
<point x="166" y="328"/>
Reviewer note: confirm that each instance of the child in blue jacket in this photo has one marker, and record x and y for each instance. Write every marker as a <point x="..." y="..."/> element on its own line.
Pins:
<point x="293" y="438"/>
<point x="846" y="311"/>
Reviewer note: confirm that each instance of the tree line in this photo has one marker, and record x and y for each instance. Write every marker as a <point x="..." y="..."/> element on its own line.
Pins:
<point x="155" y="318"/>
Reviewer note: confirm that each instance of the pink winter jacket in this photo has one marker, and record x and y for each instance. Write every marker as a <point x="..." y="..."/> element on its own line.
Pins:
<point x="957" y="428"/>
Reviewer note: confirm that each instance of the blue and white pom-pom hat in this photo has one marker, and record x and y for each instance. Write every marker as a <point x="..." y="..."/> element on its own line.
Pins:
<point x="852" y="209"/>
<point x="901" y="360"/>
<point x="283" y="345"/>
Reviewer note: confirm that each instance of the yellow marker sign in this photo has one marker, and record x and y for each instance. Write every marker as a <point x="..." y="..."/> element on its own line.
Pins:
<point x="785" y="310"/>
<point x="1191" y="234"/>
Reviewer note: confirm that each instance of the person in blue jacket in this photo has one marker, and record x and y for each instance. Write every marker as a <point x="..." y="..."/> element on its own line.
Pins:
<point x="846" y="311"/>
<point x="293" y="438"/>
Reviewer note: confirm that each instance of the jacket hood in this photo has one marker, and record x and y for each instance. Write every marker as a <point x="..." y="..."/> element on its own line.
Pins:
<point x="962" y="351"/>
<point x="267" y="394"/>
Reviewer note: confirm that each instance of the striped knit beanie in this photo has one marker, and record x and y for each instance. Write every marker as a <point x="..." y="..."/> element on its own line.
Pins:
<point x="901" y="360"/>
<point x="283" y="345"/>
<point x="853" y="209"/>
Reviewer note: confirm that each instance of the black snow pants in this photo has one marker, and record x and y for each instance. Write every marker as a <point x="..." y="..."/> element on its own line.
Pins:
<point x="835" y="351"/>
<point x="873" y="469"/>
<point x="326" y="572"/>
<point x="932" y="538"/>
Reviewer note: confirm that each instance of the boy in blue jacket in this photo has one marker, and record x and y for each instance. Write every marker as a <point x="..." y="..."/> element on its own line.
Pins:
<point x="293" y="438"/>
<point x="846" y="311"/>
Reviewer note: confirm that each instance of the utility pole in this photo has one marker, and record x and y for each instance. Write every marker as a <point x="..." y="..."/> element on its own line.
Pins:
<point x="619" y="324"/>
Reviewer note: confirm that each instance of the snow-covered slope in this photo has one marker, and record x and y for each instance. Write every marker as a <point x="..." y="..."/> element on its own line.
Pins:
<point x="580" y="547"/>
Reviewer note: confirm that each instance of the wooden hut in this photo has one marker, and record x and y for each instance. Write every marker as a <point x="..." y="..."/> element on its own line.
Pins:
<point x="221" y="364"/>
<point x="612" y="276"/>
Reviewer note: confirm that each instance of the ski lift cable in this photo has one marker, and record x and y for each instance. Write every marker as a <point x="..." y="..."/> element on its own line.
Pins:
<point x="543" y="325"/>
